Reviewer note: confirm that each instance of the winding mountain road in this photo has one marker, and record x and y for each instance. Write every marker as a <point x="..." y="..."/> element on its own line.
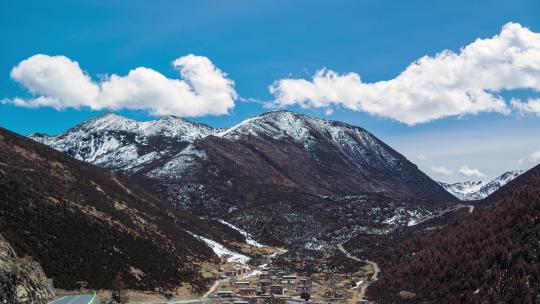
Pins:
<point x="374" y="276"/>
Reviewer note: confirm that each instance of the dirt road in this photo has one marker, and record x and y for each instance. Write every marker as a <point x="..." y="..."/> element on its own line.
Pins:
<point x="374" y="276"/>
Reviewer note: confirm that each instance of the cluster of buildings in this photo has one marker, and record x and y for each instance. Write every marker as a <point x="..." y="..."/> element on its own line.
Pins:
<point x="257" y="286"/>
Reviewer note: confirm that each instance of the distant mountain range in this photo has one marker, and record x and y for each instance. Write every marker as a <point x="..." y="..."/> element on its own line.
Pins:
<point x="265" y="174"/>
<point x="476" y="190"/>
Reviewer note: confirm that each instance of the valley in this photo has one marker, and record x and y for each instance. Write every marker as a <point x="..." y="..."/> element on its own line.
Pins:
<point x="279" y="206"/>
<point x="269" y="152"/>
<point x="267" y="174"/>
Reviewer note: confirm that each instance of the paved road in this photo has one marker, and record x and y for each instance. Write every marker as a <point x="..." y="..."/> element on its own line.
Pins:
<point x="75" y="299"/>
<point x="194" y="301"/>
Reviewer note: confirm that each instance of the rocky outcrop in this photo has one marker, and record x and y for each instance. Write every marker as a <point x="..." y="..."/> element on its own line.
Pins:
<point x="21" y="278"/>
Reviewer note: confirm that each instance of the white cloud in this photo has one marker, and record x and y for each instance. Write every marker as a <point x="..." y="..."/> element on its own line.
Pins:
<point x="532" y="106"/>
<point x="59" y="82"/>
<point x="535" y="157"/>
<point x="441" y="170"/>
<point x="470" y="172"/>
<point x="421" y="157"/>
<point x="448" y="84"/>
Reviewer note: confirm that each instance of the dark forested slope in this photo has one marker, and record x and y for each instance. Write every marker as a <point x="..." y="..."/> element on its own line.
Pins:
<point x="490" y="256"/>
<point x="84" y="223"/>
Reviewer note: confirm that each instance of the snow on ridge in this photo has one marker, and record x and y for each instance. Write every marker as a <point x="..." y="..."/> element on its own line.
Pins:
<point x="249" y="240"/>
<point x="97" y="140"/>
<point x="463" y="190"/>
<point x="475" y="190"/>
<point x="221" y="250"/>
<point x="172" y="126"/>
<point x="108" y="121"/>
<point x="169" y="126"/>
<point x="237" y="126"/>
<point x="181" y="164"/>
<point x="275" y="124"/>
<point x="300" y="128"/>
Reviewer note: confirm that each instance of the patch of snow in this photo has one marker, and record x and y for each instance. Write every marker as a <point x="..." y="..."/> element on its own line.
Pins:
<point x="315" y="244"/>
<point x="221" y="250"/>
<point x="181" y="164"/>
<point x="248" y="237"/>
<point x="358" y="284"/>
<point x="412" y="222"/>
<point x="392" y="220"/>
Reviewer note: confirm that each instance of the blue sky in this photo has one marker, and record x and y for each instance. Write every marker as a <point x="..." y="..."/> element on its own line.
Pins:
<point x="259" y="42"/>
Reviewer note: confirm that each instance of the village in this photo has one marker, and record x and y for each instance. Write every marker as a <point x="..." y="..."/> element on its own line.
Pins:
<point x="267" y="283"/>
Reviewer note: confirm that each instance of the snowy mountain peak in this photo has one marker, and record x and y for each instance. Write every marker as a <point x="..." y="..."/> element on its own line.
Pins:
<point x="172" y="126"/>
<point x="308" y="131"/>
<point x="276" y="124"/>
<point x="117" y="142"/>
<point x="108" y="121"/>
<point x="168" y="126"/>
<point x="299" y="127"/>
<point x="475" y="190"/>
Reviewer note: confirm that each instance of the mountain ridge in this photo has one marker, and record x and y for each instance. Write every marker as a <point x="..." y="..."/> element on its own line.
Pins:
<point x="123" y="137"/>
<point x="278" y="160"/>
<point x="477" y="190"/>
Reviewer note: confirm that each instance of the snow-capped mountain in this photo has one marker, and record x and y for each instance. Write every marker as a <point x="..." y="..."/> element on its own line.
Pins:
<point x="117" y="142"/>
<point x="316" y="155"/>
<point x="271" y="175"/>
<point x="475" y="190"/>
<point x="464" y="190"/>
<point x="335" y="157"/>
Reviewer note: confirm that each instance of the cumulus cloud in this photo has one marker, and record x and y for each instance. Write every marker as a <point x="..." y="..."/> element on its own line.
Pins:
<point x="470" y="172"/>
<point x="447" y="84"/>
<point x="59" y="82"/>
<point x="532" y="106"/>
<point x="441" y="170"/>
<point x="535" y="157"/>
